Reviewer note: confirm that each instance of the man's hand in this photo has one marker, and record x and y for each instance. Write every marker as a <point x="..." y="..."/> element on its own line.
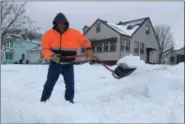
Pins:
<point x="56" y="58"/>
<point x="89" y="53"/>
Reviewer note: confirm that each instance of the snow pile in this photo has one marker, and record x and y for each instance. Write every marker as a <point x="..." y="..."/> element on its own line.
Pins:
<point x="155" y="94"/>
<point x="131" y="61"/>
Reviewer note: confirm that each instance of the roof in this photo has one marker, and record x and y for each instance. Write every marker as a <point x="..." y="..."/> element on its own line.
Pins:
<point x="35" y="48"/>
<point x="33" y="41"/>
<point x="127" y="28"/>
<point x="16" y="35"/>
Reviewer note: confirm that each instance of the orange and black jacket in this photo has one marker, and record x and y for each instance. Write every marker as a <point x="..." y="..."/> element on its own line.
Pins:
<point x="65" y="44"/>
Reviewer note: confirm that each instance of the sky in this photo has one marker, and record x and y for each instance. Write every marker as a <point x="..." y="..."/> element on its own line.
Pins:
<point x="85" y="13"/>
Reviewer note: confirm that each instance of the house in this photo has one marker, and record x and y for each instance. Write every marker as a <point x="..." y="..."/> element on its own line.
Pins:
<point x="35" y="56"/>
<point x="14" y="50"/>
<point x="174" y="57"/>
<point x="111" y="41"/>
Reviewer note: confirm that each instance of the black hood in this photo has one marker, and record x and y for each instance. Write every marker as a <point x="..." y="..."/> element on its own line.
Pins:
<point x="60" y="18"/>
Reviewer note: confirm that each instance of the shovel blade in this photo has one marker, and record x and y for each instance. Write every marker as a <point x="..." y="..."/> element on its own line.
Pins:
<point x="122" y="71"/>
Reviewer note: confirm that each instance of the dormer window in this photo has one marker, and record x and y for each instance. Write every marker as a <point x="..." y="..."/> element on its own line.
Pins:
<point x="147" y="29"/>
<point x="97" y="27"/>
<point x="129" y="27"/>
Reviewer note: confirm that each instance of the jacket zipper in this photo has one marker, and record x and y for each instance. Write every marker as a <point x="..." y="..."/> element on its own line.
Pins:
<point x="60" y="41"/>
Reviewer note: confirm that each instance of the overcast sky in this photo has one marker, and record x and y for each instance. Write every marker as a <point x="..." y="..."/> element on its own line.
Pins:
<point x="85" y="13"/>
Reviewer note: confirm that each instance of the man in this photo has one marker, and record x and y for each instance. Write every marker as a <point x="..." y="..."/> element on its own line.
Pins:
<point x="58" y="42"/>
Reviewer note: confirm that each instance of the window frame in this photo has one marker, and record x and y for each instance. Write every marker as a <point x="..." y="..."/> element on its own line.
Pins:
<point x="136" y="48"/>
<point x="98" y="27"/>
<point x="114" y="44"/>
<point x="7" y="55"/>
<point x="142" y="48"/>
<point x="125" y="45"/>
<point x="147" y="29"/>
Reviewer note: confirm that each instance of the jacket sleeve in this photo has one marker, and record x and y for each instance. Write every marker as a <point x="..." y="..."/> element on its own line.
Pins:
<point x="46" y="52"/>
<point x="84" y="42"/>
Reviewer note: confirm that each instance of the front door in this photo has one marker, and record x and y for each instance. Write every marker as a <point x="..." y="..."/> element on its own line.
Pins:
<point x="149" y="55"/>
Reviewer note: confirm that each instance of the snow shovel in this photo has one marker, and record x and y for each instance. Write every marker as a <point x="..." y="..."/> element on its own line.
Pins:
<point x="122" y="70"/>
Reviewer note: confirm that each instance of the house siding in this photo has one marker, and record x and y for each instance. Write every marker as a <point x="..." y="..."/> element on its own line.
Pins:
<point x="149" y="41"/>
<point x="34" y="56"/>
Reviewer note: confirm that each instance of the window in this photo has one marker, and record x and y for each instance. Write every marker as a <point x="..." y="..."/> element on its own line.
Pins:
<point x="125" y="45"/>
<point x="97" y="27"/>
<point x="112" y="46"/>
<point x="148" y="29"/>
<point x="142" y="48"/>
<point x="93" y="46"/>
<point x="23" y="57"/>
<point x="7" y="45"/>
<point x="129" y="27"/>
<point x="172" y="59"/>
<point x="99" y="47"/>
<point x="136" y="47"/>
<point x="106" y="47"/>
<point x="82" y="50"/>
<point x="9" y="55"/>
<point x="11" y="44"/>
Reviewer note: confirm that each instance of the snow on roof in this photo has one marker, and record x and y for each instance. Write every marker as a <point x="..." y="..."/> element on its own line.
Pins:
<point x="36" y="48"/>
<point x="17" y="35"/>
<point x="35" y="41"/>
<point x="127" y="28"/>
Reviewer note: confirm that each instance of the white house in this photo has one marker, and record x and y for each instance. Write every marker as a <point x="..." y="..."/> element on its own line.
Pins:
<point x="111" y="41"/>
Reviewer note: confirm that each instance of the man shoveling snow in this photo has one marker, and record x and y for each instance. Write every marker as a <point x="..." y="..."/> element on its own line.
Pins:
<point x="58" y="42"/>
<point x="59" y="46"/>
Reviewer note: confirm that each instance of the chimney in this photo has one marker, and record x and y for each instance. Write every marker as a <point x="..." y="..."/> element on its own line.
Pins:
<point x="85" y="28"/>
<point x="120" y="23"/>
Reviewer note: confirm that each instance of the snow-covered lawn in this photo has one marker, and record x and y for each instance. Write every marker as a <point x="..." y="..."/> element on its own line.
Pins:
<point x="153" y="93"/>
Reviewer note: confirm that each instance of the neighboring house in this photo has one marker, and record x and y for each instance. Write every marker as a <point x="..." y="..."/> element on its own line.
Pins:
<point x="35" y="56"/>
<point x="15" y="49"/>
<point x="112" y="41"/>
<point x="173" y="57"/>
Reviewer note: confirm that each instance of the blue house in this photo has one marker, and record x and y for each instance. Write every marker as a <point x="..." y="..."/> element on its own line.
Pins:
<point x="15" y="50"/>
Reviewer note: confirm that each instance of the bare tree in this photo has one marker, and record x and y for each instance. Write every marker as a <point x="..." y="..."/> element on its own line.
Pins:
<point x="165" y="38"/>
<point x="14" y="19"/>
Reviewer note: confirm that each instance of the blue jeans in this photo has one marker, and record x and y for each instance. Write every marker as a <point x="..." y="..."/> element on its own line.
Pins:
<point x="54" y="72"/>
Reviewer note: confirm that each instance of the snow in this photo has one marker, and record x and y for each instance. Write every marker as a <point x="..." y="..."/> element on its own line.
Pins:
<point x="131" y="61"/>
<point x="136" y="22"/>
<point x="17" y="35"/>
<point x="152" y="94"/>
<point x="36" y="48"/>
<point x="37" y="42"/>
<point x="123" y="28"/>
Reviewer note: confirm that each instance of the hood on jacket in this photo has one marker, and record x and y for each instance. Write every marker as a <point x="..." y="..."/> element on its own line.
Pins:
<point x="60" y="18"/>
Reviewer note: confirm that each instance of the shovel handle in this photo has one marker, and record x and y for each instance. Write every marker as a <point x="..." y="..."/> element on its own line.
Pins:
<point x="77" y="56"/>
<point x="83" y="55"/>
